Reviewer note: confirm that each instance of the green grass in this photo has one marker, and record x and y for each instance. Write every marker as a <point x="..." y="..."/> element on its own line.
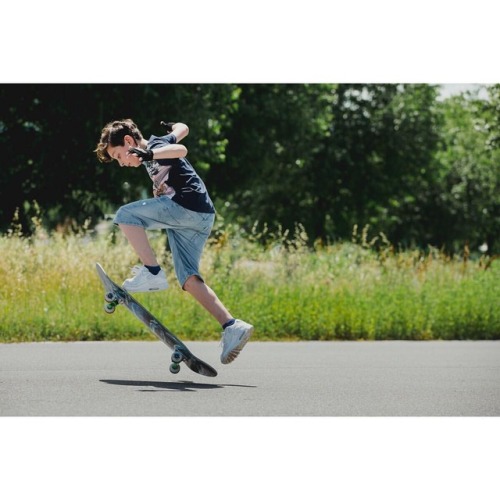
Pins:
<point x="49" y="290"/>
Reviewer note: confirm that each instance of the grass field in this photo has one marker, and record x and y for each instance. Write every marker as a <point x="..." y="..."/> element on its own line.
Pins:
<point x="49" y="290"/>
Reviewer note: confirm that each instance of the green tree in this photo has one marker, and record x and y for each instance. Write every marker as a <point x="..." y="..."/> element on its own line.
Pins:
<point x="374" y="164"/>
<point x="330" y="157"/>
<point x="467" y="196"/>
<point x="271" y="140"/>
<point x="327" y="156"/>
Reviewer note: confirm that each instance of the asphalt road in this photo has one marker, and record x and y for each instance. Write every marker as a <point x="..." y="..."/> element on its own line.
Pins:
<point x="268" y="379"/>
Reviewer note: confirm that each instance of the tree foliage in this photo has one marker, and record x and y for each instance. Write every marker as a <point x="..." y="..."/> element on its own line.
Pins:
<point x="327" y="156"/>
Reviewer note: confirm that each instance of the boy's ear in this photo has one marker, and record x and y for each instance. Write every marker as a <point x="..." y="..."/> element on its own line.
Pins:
<point x="128" y="140"/>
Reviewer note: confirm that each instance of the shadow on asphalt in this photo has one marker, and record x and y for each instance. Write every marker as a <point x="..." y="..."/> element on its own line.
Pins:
<point x="182" y="385"/>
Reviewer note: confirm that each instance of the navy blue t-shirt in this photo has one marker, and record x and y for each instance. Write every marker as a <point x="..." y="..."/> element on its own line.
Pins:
<point x="177" y="179"/>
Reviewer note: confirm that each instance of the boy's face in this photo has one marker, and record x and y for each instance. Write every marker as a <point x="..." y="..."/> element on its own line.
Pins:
<point x="121" y="154"/>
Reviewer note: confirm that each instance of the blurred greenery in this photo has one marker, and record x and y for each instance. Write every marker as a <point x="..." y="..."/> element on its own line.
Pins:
<point x="359" y="290"/>
<point x="417" y="168"/>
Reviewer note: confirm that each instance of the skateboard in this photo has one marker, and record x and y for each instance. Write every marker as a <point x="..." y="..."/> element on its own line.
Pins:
<point x="115" y="295"/>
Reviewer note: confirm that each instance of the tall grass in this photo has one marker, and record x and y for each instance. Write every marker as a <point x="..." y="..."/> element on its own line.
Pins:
<point x="359" y="290"/>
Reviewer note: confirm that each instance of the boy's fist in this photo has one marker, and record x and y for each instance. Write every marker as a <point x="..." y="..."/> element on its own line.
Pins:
<point x="168" y="125"/>
<point x="143" y="154"/>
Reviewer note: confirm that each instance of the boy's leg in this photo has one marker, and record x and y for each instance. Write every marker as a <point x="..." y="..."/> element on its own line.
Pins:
<point x="208" y="299"/>
<point x="186" y="243"/>
<point x="151" y="277"/>
<point x="137" y="237"/>
<point x="133" y="220"/>
<point x="236" y="332"/>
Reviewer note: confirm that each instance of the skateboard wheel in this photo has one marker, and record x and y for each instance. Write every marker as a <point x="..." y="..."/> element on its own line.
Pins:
<point x="109" y="307"/>
<point x="175" y="368"/>
<point x="110" y="297"/>
<point x="177" y="357"/>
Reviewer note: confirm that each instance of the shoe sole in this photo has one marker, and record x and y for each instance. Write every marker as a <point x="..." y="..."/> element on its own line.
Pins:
<point x="235" y="352"/>
<point x="157" y="289"/>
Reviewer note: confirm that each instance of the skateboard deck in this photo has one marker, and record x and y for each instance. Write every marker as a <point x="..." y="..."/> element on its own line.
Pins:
<point x="115" y="295"/>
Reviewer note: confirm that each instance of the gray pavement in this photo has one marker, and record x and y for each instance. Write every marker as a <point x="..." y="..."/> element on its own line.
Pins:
<point x="268" y="379"/>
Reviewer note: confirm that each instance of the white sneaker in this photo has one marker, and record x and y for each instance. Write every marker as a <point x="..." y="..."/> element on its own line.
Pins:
<point x="234" y="338"/>
<point x="144" y="281"/>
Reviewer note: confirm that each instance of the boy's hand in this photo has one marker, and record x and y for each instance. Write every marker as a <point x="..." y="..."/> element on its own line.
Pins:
<point x="143" y="154"/>
<point x="168" y="125"/>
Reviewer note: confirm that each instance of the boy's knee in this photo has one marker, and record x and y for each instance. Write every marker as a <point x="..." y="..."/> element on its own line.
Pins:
<point x="119" y="216"/>
<point x="191" y="283"/>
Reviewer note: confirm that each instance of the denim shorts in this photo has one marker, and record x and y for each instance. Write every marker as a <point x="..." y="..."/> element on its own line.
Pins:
<point x="187" y="231"/>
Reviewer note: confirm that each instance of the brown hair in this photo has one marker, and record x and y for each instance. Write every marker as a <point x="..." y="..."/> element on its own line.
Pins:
<point x="113" y="134"/>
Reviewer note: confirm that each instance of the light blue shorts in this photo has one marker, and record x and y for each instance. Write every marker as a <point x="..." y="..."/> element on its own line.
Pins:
<point x="187" y="231"/>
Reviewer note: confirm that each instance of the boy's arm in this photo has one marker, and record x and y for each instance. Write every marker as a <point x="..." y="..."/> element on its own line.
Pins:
<point x="180" y="130"/>
<point x="168" y="151"/>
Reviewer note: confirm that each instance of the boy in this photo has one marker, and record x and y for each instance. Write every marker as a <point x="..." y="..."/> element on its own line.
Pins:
<point x="182" y="206"/>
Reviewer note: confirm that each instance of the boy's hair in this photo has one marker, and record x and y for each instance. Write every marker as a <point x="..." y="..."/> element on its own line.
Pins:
<point x="113" y="135"/>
